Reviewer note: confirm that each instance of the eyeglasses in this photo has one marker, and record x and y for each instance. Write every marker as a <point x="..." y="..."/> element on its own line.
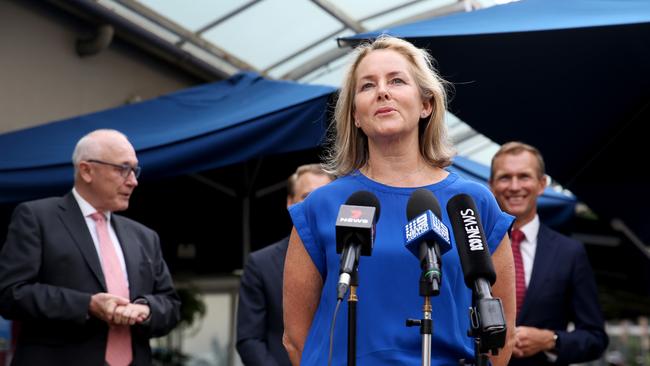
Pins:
<point x="125" y="169"/>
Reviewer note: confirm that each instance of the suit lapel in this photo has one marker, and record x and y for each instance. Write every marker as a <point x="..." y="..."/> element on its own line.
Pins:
<point x="545" y="253"/>
<point x="75" y="223"/>
<point x="130" y="249"/>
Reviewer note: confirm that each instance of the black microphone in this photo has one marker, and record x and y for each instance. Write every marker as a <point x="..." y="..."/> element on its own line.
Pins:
<point x="487" y="319"/>
<point x="470" y="240"/>
<point x="355" y="234"/>
<point x="426" y="236"/>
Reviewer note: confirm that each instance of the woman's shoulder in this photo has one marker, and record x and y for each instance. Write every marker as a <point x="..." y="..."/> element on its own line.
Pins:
<point x="337" y="190"/>
<point x="471" y="187"/>
<point x="479" y="192"/>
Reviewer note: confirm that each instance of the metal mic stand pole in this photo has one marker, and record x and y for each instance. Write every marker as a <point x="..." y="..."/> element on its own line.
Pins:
<point x="352" y="318"/>
<point x="428" y="288"/>
<point x="480" y="358"/>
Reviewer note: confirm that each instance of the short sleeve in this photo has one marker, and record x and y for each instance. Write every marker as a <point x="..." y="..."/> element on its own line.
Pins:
<point x="306" y="227"/>
<point x="496" y="223"/>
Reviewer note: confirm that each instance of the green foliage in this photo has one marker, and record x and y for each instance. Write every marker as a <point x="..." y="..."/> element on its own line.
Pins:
<point x="192" y="305"/>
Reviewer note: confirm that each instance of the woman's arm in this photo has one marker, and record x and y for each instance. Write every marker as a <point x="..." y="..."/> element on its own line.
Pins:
<point x="504" y="288"/>
<point x="301" y="295"/>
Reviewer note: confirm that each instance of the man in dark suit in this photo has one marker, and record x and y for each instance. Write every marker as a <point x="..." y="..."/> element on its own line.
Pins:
<point x="88" y="287"/>
<point x="259" y="315"/>
<point x="555" y="283"/>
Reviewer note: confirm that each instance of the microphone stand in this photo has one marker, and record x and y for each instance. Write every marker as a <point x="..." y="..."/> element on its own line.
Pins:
<point x="487" y="322"/>
<point x="352" y="318"/>
<point x="481" y="358"/>
<point x="428" y="288"/>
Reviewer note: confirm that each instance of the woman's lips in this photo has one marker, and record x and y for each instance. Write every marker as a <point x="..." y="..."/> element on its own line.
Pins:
<point x="384" y="110"/>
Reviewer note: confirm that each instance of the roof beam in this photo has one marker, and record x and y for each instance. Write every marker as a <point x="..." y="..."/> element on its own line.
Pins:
<point x="149" y="41"/>
<point x="313" y="64"/>
<point x="329" y="36"/>
<point x="333" y="54"/>
<point x="323" y="39"/>
<point x="218" y="21"/>
<point x="457" y="7"/>
<point x="185" y="35"/>
<point x="341" y="15"/>
<point x="389" y="10"/>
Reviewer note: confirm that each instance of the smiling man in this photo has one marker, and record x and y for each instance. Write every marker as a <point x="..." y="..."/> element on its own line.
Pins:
<point x="88" y="287"/>
<point x="554" y="281"/>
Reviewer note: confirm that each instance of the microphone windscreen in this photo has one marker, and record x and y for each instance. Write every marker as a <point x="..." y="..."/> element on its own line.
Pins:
<point x="420" y="201"/>
<point x="470" y="240"/>
<point x="364" y="198"/>
<point x="356" y="222"/>
<point x="423" y="214"/>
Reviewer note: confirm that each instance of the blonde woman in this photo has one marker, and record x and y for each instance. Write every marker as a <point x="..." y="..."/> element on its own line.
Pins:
<point x="390" y="140"/>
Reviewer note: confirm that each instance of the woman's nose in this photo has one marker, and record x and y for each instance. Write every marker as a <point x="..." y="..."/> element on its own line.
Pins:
<point x="382" y="91"/>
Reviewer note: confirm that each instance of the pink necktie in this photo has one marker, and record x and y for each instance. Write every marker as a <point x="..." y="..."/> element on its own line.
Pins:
<point x="118" y="347"/>
<point x="520" y="277"/>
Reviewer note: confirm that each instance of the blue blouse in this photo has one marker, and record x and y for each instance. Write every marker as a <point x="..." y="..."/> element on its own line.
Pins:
<point x="389" y="278"/>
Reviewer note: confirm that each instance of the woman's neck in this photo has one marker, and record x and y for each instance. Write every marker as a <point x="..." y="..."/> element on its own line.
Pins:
<point x="401" y="168"/>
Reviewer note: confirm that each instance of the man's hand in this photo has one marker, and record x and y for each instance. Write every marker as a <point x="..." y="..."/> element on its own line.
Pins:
<point x="103" y="305"/>
<point x="530" y="341"/>
<point x="131" y="314"/>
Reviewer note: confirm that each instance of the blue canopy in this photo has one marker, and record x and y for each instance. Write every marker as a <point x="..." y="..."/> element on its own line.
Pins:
<point x="192" y="130"/>
<point x="571" y="77"/>
<point x="195" y="130"/>
<point x="521" y="16"/>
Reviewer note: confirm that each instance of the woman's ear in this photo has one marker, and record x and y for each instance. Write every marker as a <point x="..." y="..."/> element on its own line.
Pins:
<point x="427" y="108"/>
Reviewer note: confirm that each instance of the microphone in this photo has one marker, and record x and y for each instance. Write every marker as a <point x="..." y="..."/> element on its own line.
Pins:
<point x="488" y="321"/>
<point x="426" y="236"/>
<point x="355" y="234"/>
<point x="470" y="240"/>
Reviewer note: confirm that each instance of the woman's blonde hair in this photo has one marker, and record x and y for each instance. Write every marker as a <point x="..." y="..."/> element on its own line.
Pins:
<point x="349" y="145"/>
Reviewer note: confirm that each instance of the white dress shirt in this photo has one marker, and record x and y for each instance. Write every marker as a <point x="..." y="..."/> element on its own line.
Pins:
<point x="528" y="247"/>
<point x="87" y="209"/>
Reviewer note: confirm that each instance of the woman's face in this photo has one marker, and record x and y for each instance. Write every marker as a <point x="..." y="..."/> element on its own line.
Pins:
<point x="387" y="101"/>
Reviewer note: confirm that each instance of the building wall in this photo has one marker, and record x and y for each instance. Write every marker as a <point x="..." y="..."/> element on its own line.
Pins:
<point x="42" y="79"/>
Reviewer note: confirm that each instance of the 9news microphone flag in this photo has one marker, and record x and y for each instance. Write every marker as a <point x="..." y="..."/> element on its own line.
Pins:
<point x="426" y="236"/>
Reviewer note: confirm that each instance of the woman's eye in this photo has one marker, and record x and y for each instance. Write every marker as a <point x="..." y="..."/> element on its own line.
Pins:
<point x="366" y="86"/>
<point x="397" y="81"/>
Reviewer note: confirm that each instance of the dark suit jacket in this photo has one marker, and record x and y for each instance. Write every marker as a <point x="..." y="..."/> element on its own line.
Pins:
<point x="562" y="289"/>
<point x="49" y="268"/>
<point x="259" y="315"/>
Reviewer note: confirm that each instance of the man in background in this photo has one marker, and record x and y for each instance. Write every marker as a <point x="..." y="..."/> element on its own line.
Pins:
<point x="554" y="281"/>
<point x="88" y="287"/>
<point x="259" y="315"/>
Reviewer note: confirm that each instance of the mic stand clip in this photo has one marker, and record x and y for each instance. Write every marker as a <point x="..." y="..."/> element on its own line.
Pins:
<point x="488" y="324"/>
<point x="428" y="288"/>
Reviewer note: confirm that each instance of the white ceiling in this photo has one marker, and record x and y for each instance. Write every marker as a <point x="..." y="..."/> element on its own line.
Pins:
<point x="290" y="39"/>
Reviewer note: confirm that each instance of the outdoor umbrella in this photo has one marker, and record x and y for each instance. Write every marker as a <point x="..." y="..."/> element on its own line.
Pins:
<point x="571" y="77"/>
